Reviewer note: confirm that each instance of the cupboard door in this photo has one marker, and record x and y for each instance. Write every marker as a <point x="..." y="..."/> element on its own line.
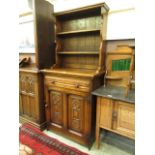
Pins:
<point x="28" y="104"/>
<point x="56" y="107"/>
<point x="75" y="114"/>
<point x="125" y="123"/>
<point x="106" y="110"/>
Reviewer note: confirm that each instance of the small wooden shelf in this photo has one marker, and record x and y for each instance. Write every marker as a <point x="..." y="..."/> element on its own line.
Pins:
<point x="113" y="77"/>
<point x="120" y="53"/>
<point x="78" y="31"/>
<point x="80" y="52"/>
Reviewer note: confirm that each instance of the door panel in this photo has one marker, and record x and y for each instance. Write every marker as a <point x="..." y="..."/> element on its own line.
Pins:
<point x="29" y="105"/>
<point x="25" y="104"/>
<point x="125" y="118"/>
<point x="33" y="108"/>
<point x="75" y="113"/>
<point x="20" y="105"/>
<point x="106" y="113"/>
<point x="56" y="107"/>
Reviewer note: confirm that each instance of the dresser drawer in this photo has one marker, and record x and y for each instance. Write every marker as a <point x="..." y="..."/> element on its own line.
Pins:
<point x="69" y="83"/>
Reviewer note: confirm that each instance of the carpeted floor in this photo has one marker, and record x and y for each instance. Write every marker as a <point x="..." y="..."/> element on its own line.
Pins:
<point x="34" y="142"/>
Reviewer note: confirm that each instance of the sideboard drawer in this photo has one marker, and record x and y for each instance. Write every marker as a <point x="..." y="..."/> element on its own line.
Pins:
<point x="68" y="83"/>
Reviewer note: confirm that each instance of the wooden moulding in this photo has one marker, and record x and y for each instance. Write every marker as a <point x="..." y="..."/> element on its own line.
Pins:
<point x="85" y="8"/>
<point x="113" y="77"/>
<point x="73" y="73"/>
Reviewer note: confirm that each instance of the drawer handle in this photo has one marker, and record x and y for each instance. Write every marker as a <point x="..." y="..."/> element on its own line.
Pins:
<point x="114" y="114"/>
<point x="46" y="105"/>
<point x="77" y="85"/>
<point x="53" y="82"/>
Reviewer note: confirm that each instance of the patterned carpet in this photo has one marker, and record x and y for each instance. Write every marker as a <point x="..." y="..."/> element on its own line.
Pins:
<point x="34" y="142"/>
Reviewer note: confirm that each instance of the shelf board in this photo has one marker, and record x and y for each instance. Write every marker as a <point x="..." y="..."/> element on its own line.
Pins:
<point x="119" y="53"/>
<point x="78" y="31"/>
<point x="132" y="81"/>
<point x="113" y="77"/>
<point x="79" y="52"/>
<point x="25" y="14"/>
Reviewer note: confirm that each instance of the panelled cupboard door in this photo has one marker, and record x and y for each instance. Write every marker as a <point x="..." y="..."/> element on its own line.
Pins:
<point x="106" y="110"/>
<point x="56" y="107"/>
<point x="28" y="103"/>
<point x="76" y="113"/>
<point x="125" y="123"/>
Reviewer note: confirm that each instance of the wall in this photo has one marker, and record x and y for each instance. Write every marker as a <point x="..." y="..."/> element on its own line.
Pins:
<point x="120" y="18"/>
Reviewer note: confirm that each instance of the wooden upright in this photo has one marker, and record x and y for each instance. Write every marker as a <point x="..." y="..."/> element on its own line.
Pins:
<point x="79" y="69"/>
<point x="31" y="91"/>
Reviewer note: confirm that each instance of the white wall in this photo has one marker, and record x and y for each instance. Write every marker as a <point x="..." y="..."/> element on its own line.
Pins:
<point x="120" y="19"/>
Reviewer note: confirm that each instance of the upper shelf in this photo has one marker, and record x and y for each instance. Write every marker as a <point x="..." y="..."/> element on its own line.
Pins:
<point x="78" y="31"/>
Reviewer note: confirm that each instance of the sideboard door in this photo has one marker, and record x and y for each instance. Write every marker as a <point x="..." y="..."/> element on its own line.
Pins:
<point x="76" y="114"/>
<point x="56" y="108"/>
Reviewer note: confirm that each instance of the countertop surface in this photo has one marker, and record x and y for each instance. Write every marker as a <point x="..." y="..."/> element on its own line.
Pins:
<point x="29" y="69"/>
<point x="116" y="93"/>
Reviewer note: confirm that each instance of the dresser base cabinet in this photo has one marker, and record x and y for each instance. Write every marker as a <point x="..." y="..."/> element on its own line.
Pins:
<point x="70" y="115"/>
<point x="71" y="111"/>
<point x="31" y="106"/>
<point x="115" y="116"/>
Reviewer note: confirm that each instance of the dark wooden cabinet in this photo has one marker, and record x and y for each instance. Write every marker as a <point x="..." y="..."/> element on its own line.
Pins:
<point x="37" y="44"/>
<point x="79" y="69"/>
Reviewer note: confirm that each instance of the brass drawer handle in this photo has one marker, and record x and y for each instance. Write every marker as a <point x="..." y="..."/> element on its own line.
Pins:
<point x="77" y="85"/>
<point x="53" y="82"/>
<point x="114" y="114"/>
